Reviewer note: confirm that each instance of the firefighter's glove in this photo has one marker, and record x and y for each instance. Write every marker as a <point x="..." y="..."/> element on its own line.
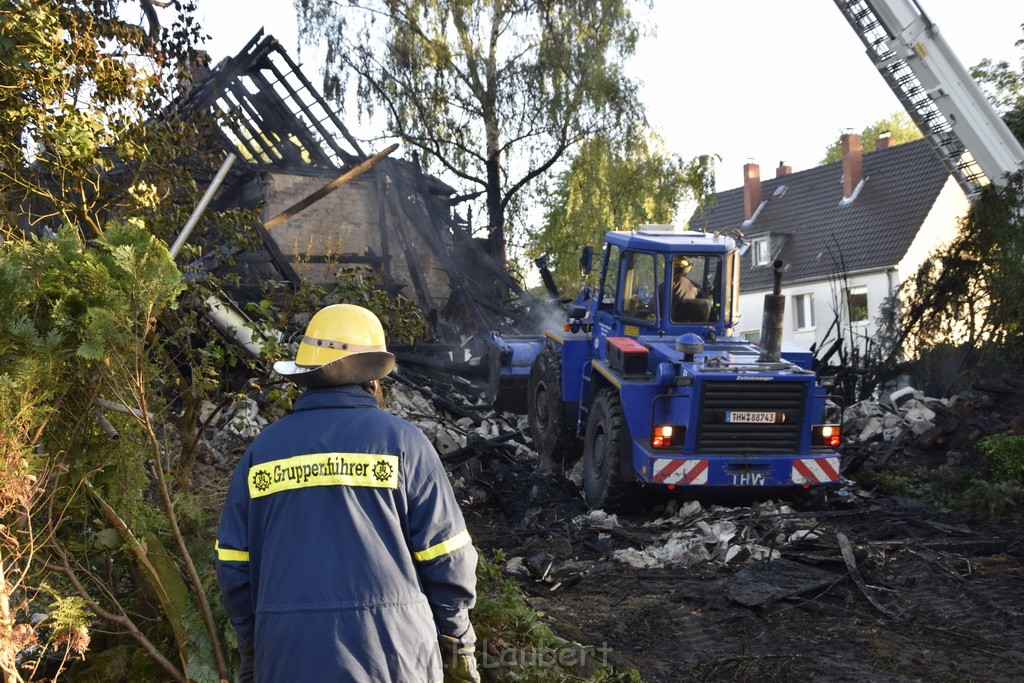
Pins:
<point x="458" y="661"/>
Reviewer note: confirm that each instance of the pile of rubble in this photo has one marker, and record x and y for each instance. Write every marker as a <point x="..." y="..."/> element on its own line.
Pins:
<point x="455" y="424"/>
<point x="907" y="429"/>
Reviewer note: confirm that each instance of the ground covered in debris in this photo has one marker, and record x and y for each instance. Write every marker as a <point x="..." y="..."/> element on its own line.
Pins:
<point x="858" y="587"/>
<point x="875" y="589"/>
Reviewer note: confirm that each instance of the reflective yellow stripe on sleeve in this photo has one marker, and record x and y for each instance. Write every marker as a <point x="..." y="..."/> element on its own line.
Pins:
<point x="443" y="548"/>
<point x="229" y="555"/>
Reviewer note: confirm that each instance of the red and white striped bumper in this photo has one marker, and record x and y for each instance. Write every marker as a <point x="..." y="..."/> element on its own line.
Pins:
<point x="683" y="472"/>
<point x="816" y="470"/>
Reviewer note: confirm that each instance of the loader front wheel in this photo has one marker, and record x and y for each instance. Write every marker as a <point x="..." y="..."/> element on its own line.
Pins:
<point x="605" y="450"/>
<point x="551" y="425"/>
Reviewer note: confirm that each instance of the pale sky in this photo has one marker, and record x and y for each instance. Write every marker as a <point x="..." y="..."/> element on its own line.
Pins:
<point x="748" y="80"/>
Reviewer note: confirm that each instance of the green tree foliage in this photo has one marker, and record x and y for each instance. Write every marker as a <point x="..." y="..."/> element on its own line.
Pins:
<point x="97" y="175"/>
<point x="79" y="322"/>
<point x="493" y="93"/>
<point x="83" y="137"/>
<point x="614" y="185"/>
<point x="1003" y="455"/>
<point x="898" y="125"/>
<point x="969" y="293"/>
<point x="1005" y="89"/>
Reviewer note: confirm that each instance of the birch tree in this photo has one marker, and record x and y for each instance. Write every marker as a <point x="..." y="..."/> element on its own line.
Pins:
<point x="492" y="92"/>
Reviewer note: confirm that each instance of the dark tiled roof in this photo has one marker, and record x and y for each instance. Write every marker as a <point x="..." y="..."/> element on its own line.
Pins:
<point x="816" y="234"/>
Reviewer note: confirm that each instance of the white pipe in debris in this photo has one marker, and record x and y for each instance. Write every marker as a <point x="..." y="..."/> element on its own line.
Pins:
<point x="201" y="206"/>
<point x="231" y="322"/>
<point x="119" y="408"/>
<point x="108" y="428"/>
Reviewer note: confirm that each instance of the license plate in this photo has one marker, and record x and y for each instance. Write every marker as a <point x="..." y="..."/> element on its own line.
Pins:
<point x="749" y="416"/>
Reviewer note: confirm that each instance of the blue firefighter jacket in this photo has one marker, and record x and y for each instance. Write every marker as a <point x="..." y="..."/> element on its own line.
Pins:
<point x="342" y="552"/>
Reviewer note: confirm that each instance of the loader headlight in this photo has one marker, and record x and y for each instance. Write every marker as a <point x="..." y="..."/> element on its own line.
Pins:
<point x="829" y="436"/>
<point x="667" y="436"/>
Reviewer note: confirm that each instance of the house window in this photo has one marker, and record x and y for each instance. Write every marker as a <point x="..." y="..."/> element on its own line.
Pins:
<point x="857" y="304"/>
<point x="753" y="336"/>
<point x="803" y="306"/>
<point x="759" y="251"/>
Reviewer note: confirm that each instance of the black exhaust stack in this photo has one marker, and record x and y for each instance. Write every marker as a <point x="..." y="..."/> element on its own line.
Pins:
<point x="771" y="321"/>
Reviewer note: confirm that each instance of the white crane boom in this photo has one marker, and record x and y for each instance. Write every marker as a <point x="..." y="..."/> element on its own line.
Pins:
<point x="937" y="91"/>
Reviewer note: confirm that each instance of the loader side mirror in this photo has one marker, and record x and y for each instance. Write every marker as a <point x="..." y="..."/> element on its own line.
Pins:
<point x="586" y="260"/>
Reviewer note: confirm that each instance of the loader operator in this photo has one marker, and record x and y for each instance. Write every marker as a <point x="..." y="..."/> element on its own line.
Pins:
<point x="342" y="554"/>
<point x="683" y="286"/>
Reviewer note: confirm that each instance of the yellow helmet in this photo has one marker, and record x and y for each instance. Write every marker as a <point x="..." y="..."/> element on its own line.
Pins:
<point x="343" y="344"/>
<point x="682" y="263"/>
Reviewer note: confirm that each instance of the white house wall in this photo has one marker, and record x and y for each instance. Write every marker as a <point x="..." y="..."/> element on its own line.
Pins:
<point x="826" y="296"/>
<point x="939" y="227"/>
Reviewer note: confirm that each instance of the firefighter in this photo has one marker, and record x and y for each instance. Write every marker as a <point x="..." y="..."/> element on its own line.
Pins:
<point x="342" y="553"/>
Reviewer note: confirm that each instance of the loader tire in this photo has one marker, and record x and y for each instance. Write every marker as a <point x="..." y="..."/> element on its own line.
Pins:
<point x="550" y="418"/>
<point x="606" y="447"/>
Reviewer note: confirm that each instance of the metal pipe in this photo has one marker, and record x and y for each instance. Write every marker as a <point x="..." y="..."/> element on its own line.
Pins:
<point x="771" y="322"/>
<point x="233" y="324"/>
<point x="201" y="206"/>
<point x="119" y="408"/>
<point x="107" y="427"/>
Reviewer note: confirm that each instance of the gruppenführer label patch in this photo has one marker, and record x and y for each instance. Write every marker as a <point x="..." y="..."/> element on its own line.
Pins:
<point x="323" y="469"/>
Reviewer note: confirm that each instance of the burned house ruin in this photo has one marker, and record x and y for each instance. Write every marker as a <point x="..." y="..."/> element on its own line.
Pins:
<point x="298" y="161"/>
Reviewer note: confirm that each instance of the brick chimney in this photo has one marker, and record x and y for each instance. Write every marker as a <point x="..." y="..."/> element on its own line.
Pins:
<point x="751" y="190"/>
<point x="852" y="163"/>
<point x="783" y="169"/>
<point x="884" y="141"/>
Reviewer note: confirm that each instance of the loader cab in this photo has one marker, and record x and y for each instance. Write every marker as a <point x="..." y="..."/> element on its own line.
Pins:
<point x="667" y="283"/>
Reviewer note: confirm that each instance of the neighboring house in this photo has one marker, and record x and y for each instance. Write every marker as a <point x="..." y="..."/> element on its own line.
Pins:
<point x="848" y="233"/>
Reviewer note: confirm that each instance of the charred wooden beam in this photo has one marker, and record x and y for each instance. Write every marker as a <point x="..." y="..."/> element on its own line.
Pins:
<point x="440" y="401"/>
<point x="476" y="446"/>
<point x="456" y="367"/>
<point x="329" y="114"/>
<point x="330" y="187"/>
<point x="416" y="274"/>
<point x="282" y="110"/>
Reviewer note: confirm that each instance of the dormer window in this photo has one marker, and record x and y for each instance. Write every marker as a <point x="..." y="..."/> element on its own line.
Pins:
<point x="759" y="251"/>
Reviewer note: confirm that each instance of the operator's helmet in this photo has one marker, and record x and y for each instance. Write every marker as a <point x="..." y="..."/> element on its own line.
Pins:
<point x="343" y="344"/>
<point x="681" y="264"/>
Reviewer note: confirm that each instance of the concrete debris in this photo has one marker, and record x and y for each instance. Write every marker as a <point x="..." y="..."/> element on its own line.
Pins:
<point x="731" y="536"/>
<point x="575" y="475"/>
<point x="908" y="429"/>
<point x="244" y="419"/>
<point x="597" y="519"/>
<point x="804" y="535"/>
<point x="679" y="548"/>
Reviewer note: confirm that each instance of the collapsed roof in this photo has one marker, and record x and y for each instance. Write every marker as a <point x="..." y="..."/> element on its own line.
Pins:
<point x="390" y="215"/>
